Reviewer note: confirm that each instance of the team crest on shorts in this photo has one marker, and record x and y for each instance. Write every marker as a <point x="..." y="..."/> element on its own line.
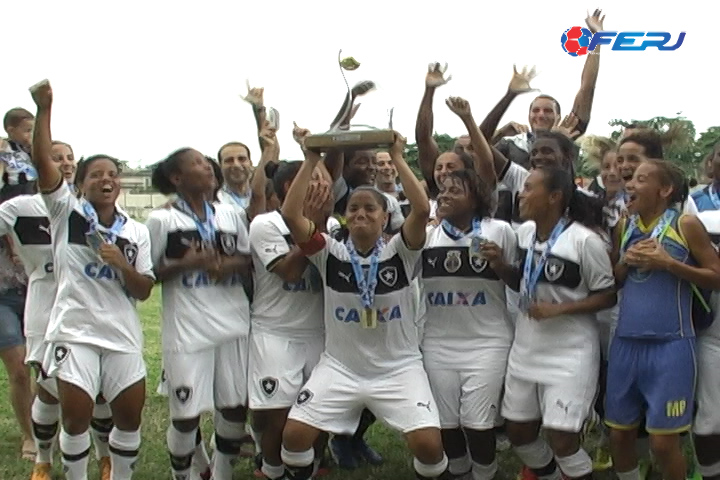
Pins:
<point x="183" y="394"/>
<point x="453" y="262"/>
<point x="478" y="264"/>
<point x="130" y="251"/>
<point x="389" y="276"/>
<point x="60" y="354"/>
<point x="269" y="386"/>
<point x="554" y="269"/>
<point x="304" y="396"/>
<point x="227" y="241"/>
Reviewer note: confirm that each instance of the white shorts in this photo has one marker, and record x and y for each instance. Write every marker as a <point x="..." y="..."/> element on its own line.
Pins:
<point x="562" y="406"/>
<point x="279" y="367"/>
<point x="707" y="417"/>
<point x="35" y="348"/>
<point x="334" y="398"/>
<point x="208" y="380"/>
<point x="162" y="388"/>
<point x="94" y="369"/>
<point x="470" y="398"/>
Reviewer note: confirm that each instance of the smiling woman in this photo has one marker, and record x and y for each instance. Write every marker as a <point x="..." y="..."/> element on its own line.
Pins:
<point x="102" y="264"/>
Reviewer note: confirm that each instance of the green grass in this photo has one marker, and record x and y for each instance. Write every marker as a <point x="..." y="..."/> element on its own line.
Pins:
<point x="154" y="463"/>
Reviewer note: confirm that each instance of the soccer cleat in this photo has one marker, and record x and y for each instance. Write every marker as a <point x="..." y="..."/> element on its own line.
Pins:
<point x="602" y="460"/>
<point x="363" y="451"/>
<point x="105" y="468"/>
<point x="41" y="471"/>
<point x="322" y="466"/>
<point x="526" y="474"/>
<point x="341" y="449"/>
<point x="258" y="466"/>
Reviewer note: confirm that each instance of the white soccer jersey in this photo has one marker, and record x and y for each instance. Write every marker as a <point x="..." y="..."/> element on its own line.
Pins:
<point x="92" y="306"/>
<point x="393" y="344"/>
<point x="288" y="309"/>
<point x="561" y="347"/>
<point x="198" y="312"/>
<point x="241" y="203"/>
<point x="465" y="299"/>
<point x="25" y="219"/>
<point x="711" y="220"/>
<point x="511" y="182"/>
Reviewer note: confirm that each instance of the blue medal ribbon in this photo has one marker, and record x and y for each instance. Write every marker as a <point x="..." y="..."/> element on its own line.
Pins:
<point x="206" y="228"/>
<point x="714" y="198"/>
<point x="241" y="200"/>
<point x="657" y="232"/>
<point x="531" y="275"/>
<point x="366" y="283"/>
<point x="475" y="234"/>
<point x="97" y="232"/>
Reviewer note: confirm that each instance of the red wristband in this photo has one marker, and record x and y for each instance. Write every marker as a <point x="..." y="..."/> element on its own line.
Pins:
<point x="314" y="245"/>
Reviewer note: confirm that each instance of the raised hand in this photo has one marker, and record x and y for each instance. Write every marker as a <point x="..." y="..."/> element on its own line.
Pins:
<point x="267" y="135"/>
<point x="568" y="126"/>
<point x="398" y="147"/>
<point x="520" y="81"/>
<point x="42" y="94"/>
<point x="436" y="76"/>
<point x="595" y="22"/>
<point x="254" y="95"/>
<point x="459" y="106"/>
<point x="513" y="128"/>
<point x="299" y="134"/>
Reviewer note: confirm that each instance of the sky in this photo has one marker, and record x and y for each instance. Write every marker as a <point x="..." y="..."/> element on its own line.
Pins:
<point x="140" y="79"/>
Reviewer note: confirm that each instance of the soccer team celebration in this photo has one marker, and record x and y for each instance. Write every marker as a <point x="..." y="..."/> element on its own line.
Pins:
<point x="477" y="300"/>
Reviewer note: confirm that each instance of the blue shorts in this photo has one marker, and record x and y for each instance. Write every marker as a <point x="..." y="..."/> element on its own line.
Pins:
<point x="651" y="379"/>
<point x="12" y="305"/>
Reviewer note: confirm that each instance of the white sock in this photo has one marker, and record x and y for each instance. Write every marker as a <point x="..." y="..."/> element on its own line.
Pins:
<point x="484" y="472"/>
<point x="256" y="436"/>
<point x="181" y="447"/>
<point x="200" y="459"/>
<point x="461" y="465"/>
<point x="273" y="472"/>
<point x="633" y="474"/>
<point x="124" y="450"/>
<point x="538" y="456"/>
<point x="227" y="446"/>
<point x="430" y="471"/>
<point x="75" y="451"/>
<point x="100" y="427"/>
<point x="44" y="428"/>
<point x="577" y="465"/>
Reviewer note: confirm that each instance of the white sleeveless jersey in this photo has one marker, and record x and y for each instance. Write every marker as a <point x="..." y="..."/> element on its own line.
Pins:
<point x="286" y="309"/>
<point x="560" y="347"/>
<point x="465" y="300"/>
<point x="393" y="344"/>
<point x="200" y="313"/>
<point x="711" y="220"/>
<point x="25" y="219"/>
<point x="92" y="305"/>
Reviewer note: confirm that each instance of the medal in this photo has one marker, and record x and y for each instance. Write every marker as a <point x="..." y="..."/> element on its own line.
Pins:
<point x="366" y="283"/>
<point x="476" y="239"/>
<point x="206" y="229"/>
<point x="368" y="318"/>
<point x="658" y="232"/>
<point x="98" y="234"/>
<point x="531" y="276"/>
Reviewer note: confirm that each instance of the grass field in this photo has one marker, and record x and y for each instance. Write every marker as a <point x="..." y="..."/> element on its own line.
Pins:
<point x="154" y="463"/>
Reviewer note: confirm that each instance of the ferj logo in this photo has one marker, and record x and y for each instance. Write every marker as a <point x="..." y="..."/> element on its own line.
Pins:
<point x="578" y="41"/>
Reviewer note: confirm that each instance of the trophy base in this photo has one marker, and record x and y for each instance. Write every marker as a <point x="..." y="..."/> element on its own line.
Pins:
<point x="350" y="139"/>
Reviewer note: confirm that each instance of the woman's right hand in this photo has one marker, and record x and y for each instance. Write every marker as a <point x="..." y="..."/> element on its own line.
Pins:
<point x="42" y="95"/>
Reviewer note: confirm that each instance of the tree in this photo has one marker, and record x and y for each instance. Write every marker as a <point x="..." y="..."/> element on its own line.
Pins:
<point x="707" y="141"/>
<point x="445" y="144"/>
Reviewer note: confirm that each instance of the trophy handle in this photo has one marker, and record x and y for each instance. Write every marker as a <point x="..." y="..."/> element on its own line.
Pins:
<point x="347" y="104"/>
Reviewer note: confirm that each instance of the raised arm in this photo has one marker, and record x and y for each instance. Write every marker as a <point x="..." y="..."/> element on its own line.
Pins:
<point x="427" y="147"/>
<point x="301" y="228"/>
<point x="519" y="84"/>
<point x="482" y="154"/>
<point x="258" y="201"/>
<point x="413" y="230"/>
<point x="582" y="106"/>
<point x="49" y="176"/>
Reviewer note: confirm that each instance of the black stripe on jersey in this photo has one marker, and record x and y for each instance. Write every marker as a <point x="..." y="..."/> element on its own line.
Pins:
<point x="557" y="270"/>
<point x="715" y="239"/>
<point x="33" y="230"/>
<point x="179" y="241"/>
<point x="391" y="275"/>
<point x="77" y="230"/>
<point x="454" y="262"/>
<point x="288" y="238"/>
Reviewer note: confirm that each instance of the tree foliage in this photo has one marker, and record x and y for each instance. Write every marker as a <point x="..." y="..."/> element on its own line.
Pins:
<point x="445" y="144"/>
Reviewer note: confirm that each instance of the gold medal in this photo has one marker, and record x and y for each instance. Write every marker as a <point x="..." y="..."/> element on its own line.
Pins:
<point x="368" y="318"/>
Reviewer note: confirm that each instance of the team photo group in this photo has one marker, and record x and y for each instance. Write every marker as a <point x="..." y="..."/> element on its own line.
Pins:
<point x="485" y="301"/>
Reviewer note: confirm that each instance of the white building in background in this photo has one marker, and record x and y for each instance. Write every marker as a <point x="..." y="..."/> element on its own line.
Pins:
<point x="137" y="196"/>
